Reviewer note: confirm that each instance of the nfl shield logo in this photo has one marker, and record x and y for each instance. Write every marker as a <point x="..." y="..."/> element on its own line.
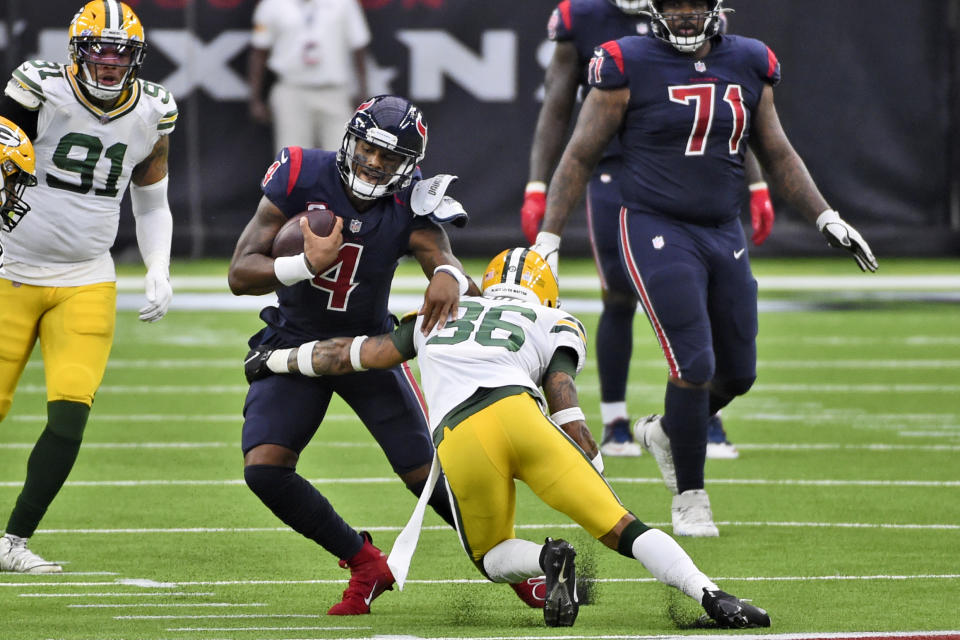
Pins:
<point x="355" y="226"/>
<point x="658" y="242"/>
<point x="700" y="66"/>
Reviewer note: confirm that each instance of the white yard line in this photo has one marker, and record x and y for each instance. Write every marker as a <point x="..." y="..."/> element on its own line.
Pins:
<point x="177" y="389"/>
<point x="808" y="446"/>
<point x="463" y="581"/>
<point x="782" y="446"/>
<point x="852" y="635"/>
<point x="144" y="605"/>
<point x="627" y="480"/>
<point x="166" y="594"/>
<point x="439" y="528"/>
<point x="918" y="282"/>
<point x="234" y="363"/>
<point x="236" y="616"/>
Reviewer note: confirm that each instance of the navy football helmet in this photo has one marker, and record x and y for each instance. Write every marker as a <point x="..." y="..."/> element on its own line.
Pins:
<point x="631" y="6"/>
<point x="391" y="123"/>
<point x="709" y="21"/>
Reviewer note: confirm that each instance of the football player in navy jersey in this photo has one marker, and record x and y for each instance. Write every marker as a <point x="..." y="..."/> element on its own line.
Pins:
<point x="686" y="101"/>
<point x="578" y="27"/>
<point x="340" y="285"/>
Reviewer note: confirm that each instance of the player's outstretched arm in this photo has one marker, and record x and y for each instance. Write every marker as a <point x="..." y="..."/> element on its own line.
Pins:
<point x="332" y="357"/>
<point x="338" y="356"/>
<point x="792" y="181"/>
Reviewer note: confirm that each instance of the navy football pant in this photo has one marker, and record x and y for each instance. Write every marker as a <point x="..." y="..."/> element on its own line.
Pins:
<point x="700" y="297"/>
<point x="288" y="410"/>
<point x="614" y="336"/>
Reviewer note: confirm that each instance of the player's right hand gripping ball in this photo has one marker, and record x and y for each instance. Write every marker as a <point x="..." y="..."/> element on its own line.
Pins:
<point x="289" y="240"/>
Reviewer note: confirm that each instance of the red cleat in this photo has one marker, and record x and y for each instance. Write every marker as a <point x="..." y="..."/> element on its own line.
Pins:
<point x="369" y="577"/>
<point x="532" y="591"/>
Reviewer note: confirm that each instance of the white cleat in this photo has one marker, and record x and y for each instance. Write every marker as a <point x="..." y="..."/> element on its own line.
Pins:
<point x="652" y="437"/>
<point x="15" y="557"/>
<point x="718" y="447"/>
<point x="692" y="515"/>
<point x="722" y="451"/>
<point x="621" y="449"/>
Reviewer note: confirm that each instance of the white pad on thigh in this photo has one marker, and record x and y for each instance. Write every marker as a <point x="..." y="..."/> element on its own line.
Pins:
<point x="513" y="561"/>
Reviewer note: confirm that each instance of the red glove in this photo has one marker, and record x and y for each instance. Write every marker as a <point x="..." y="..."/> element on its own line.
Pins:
<point x="534" y="206"/>
<point x="761" y="212"/>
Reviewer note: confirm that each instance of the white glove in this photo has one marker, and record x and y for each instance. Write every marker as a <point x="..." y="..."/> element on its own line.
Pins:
<point x="841" y="235"/>
<point x="158" y="292"/>
<point x="548" y="246"/>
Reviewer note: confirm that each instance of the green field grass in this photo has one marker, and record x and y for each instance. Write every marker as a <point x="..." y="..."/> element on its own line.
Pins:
<point x="842" y="513"/>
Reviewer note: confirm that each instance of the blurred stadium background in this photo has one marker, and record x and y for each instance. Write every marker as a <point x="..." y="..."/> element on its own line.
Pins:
<point x="870" y="98"/>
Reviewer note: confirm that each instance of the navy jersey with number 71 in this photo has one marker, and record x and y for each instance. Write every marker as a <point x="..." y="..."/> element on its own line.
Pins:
<point x="687" y="123"/>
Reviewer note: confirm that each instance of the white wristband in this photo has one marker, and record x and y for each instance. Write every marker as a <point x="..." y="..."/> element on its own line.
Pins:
<point x="564" y="416"/>
<point x="355" y="353"/>
<point x="292" y="269"/>
<point x="456" y="273"/>
<point x="826" y="218"/>
<point x="305" y="359"/>
<point x="549" y="241"/>
<point x="758" y="186"/>
<point x="536" y="186"/>
<point x="598" y="462"/>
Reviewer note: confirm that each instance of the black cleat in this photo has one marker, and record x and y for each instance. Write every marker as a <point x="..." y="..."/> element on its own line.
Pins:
<point x="561" y="606"/>
<point x="730" y="612"/>
<point x="255" y="364"/>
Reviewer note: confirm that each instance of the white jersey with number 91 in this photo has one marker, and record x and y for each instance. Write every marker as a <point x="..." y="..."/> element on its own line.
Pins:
<point x="492" y="343"/>
<point x="85" y="157"/>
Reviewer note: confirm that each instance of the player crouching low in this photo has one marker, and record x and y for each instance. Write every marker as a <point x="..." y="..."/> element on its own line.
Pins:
<point x="482" y="374"/>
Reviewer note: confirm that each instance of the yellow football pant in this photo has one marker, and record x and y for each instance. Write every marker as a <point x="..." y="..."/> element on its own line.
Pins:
<point x="511" y="439"/>
<point x="75" y="327"/>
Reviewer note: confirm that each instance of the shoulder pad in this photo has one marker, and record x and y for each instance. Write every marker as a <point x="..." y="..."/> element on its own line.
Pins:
<point x="163" y="104"/>
<point x="26" y="85"/>
<point x="428" y="193"/>
<point x="427" y="198"/>
<point x="409" y="316"/>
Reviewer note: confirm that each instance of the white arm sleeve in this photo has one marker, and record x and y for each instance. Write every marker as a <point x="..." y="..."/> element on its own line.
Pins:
<point x="154" y="222"/>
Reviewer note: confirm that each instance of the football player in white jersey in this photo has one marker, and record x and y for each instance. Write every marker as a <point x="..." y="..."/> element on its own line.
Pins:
<point x="482" y="374"/>
<point x="96" y="128"/>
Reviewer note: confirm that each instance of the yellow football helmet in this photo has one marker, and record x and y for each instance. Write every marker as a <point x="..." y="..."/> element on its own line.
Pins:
<point x="105" y="36"/>
<point x="520" y="274"/>
<point x="18" y="169"/>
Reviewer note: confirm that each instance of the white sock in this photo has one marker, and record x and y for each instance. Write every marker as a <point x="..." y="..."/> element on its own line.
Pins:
<point x="277" y="361"/>
<point x="610" y="411"/>
<point x="513" y="561"/>
<point x="670" y="564"/>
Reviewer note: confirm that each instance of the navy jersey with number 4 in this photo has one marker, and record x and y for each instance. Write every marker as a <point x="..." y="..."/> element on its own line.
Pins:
<point x="687" y="123"/>
<point x="350" y="297"/>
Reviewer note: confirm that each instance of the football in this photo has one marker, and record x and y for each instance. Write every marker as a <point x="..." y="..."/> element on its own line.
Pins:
<point x="289" y="240"/>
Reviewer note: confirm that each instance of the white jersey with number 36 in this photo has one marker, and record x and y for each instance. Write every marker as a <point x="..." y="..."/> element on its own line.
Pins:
<point x="492" y="343"/>
<point x="85" y="157"/>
